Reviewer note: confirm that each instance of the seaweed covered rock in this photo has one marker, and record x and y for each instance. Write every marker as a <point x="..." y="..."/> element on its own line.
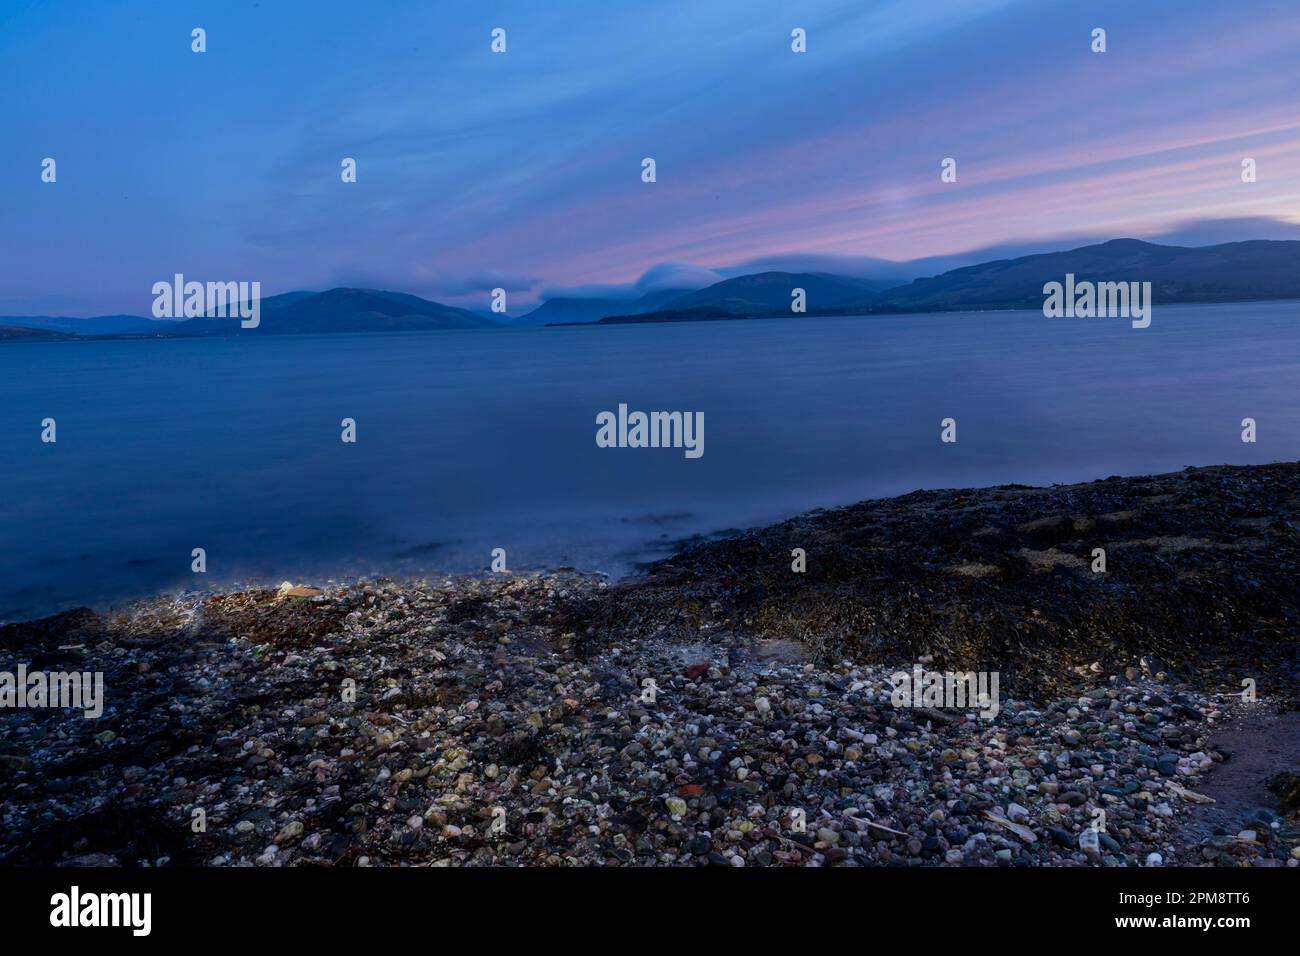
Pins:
<point x="1199" y="570"/>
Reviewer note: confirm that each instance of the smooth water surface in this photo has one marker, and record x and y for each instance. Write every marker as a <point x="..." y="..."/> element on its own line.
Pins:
<point x="469" y="441"/>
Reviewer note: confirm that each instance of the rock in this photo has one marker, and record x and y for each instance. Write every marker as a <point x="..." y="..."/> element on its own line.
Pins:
<point x="1167" y="764"/>
<point x="289" y="832"/>
<point x="1089" y="842"/>
<point x="287" y="590"/>
<point x="1152" y="666"/>
<point x="478" y="694"/>
<point x="1062" y="837"/>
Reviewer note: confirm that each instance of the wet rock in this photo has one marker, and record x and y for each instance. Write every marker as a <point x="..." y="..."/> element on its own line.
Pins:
<point x="385" y="723"/>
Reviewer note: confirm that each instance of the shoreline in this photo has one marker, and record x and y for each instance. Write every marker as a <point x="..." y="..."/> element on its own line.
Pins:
<point x="629" y="570"/>
<point x="12" y="334"/>
<point x="771" y="738"/>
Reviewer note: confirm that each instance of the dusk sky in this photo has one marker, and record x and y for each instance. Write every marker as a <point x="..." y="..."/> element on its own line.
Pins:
<point x="523" y="170"/>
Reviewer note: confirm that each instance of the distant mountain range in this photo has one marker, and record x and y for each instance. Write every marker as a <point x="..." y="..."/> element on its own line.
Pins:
<point x="293" y="313"/>
<point x="767" y="293"/>
<point x="1231" y="272"/>
<point x="344" y="310"/>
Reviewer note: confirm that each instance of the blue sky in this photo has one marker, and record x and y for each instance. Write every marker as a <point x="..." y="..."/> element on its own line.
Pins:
<point x="523" y="170"/>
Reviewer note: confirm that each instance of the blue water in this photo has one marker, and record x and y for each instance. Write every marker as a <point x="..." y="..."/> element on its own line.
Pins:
<point x="469" y="441"/>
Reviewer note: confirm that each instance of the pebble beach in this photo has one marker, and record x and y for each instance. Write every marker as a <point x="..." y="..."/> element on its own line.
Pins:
<point x="719" y="709"/>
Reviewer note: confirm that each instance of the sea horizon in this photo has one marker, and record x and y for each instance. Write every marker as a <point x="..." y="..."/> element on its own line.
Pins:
<point x="312" y="510"/>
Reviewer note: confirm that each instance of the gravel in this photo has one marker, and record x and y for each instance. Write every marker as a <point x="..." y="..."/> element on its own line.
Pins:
<point x="699" y="715"/>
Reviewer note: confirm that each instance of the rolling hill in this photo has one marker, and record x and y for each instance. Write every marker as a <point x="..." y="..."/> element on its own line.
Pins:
<point x="768" y="293"/>
<point x="342" y="310"/>
<point x="1235" y="271"/>
<point x="1229" y="272"/>
<point x="292" y="313"/>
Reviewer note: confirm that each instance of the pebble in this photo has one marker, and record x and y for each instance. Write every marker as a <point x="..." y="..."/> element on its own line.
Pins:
<point x="448" y="723"/>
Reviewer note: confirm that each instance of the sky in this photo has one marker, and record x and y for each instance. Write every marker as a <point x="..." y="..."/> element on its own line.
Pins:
<point x="522" y="170"/>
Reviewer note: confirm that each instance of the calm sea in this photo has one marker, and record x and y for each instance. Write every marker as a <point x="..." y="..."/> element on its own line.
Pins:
<point x="470" y="441"/>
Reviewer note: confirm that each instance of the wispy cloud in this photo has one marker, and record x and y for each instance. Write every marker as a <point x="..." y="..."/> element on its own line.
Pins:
<point x="521" y="171"/>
